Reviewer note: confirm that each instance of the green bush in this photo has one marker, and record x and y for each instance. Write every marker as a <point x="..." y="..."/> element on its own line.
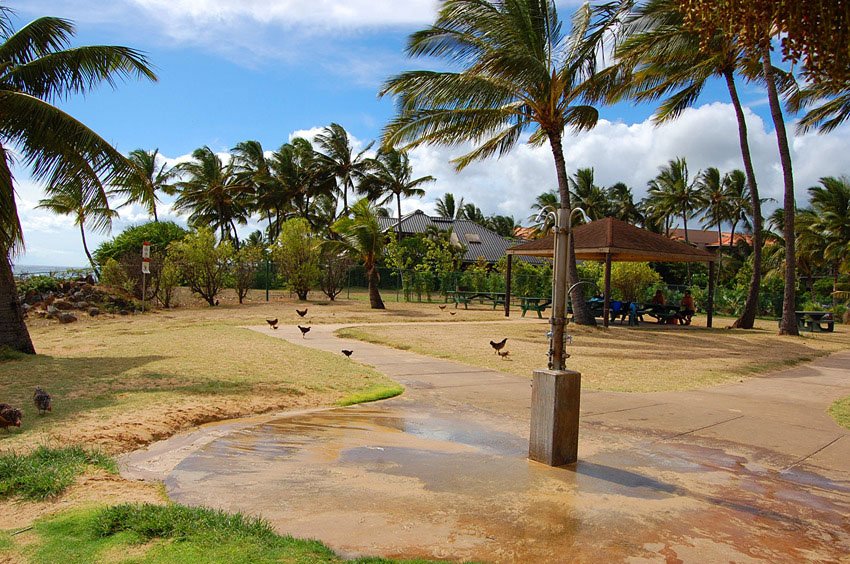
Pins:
<point x="159" y="234"/>
<point x="39" y="283"/>
<point x="296" y="254"/>
<point x="113" y="275"/>
<point x="203" y="263"/>
<point x="632" y="281"/>
<point x="46" y="472"/>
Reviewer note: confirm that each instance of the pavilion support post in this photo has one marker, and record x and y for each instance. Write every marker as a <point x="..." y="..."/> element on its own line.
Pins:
<point x="508" y="286"/>
<point x="606" y="304"/>
<point x="709" y="314"/>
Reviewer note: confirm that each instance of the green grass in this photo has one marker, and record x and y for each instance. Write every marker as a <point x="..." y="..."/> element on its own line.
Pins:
<point x="7" y="354"/>
<point x="169" y="534"/>
<point x="47" y="472"/>
<point x="840" y="411"/>
<point x="374" y="393"/>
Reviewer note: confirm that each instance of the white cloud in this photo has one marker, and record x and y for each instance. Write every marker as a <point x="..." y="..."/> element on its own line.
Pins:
<point x="631" y="153"/>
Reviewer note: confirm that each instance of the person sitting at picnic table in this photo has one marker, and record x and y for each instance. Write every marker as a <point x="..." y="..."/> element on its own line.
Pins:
<point x="687" y="308"/>
<point x="658" y="301"/>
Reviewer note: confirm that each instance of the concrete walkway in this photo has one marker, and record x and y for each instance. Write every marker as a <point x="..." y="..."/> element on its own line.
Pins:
<point x="754" y="471"/>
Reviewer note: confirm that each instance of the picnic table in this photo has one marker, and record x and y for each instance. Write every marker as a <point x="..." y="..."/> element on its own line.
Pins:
<point x="530" y="303"/>
<point x="663" y="313"/>
<point x="462" y="297"/>
<point x="815" y="321"/>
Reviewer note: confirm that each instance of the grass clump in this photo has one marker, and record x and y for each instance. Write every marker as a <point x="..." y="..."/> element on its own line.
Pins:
<point x="374" y="393"/>
<point x="8" y="353"/>
<point x="169" y="533"/>
<point x="47" y="472"/>
<point x="840" y="411"/>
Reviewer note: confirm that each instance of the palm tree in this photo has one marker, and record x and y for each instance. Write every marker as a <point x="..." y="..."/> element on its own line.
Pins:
<point x="71" y="199"/>
<point x="677" y="193"/>
<point x="147" y="179"/>
<point x="504" y="225"/>
<point x="738" y="195"/>
<point x="214" y="195"/>
<point x="472" y="212"/>
<point x="543" y="204"/>
<point x="295" y="166"/>
<point x="834" y="108"/>
<point x="447" y="207"/>
<point x="391" y="177"/>
<point x="718" y="208"/>
<point x="338" y="159"/>
<point x="662" y="58"/>
<point x="253" y="169"/>
<point x="623" y="205"/>
<point x="831" y="204"/>
<point x="37" y="67"/>
<point x="519" y="71"/>
<point x="362" y="237"/>
<point x="587" y="195"/>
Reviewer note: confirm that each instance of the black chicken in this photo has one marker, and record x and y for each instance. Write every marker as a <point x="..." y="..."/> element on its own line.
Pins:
<point x="304" y="331"/>
<point x="42" y="401"/>
<point x="301" y="312"/>
<point x="347" y="352"/>
<point x="443" y="306"/>
<point x="272" y="323"/>
<point x="9" y="416"/>
<point x="503" y="354"/>
<point x="498" y="345"/>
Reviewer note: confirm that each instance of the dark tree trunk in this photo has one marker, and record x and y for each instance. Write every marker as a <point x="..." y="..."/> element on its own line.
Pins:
<point x="86" y="249"/>
<point x="398" y="223"/>
<point x="374" y="277"/>
<point x="748" y="316"/>
<point x="13" y="330"/>
<point x="788" y="324"/>
<point x="581" y="313"/>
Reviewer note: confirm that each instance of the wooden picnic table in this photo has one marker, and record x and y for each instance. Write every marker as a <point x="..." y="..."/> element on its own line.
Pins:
<point x="462" y="297"/>
<point x="663" y="313"/>
<point x="530" y="303"/>
<point x="815" y="321"/>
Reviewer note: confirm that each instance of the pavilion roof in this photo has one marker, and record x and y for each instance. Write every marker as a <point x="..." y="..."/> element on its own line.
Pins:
<point x="624" y="242"/>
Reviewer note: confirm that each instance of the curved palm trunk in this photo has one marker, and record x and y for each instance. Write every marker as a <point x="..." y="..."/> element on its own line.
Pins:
<point x="788" y="324"/>
<point x="748" y="316"/>
<point x="398" y="223"/>
<point x="374" y="278"/>
<point x="86" y="249"/>
<point x="155" y="217"/>
<point x="13" y="330"/>
<point x="581" y="313"/>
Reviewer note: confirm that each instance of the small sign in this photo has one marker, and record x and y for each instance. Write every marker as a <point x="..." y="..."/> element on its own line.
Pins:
<point x="146" y="266"/>
<point x="146" y="250"/>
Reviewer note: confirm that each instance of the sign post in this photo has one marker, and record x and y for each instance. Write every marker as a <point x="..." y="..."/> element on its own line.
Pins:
<point x="146" y="268"/>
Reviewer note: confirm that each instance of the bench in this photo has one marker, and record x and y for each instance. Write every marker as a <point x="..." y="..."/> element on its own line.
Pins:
<point x="534" y="304"/>
<point x="459" y="297"/>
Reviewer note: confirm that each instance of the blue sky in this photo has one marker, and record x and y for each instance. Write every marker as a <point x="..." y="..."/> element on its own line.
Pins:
<point x="267" y="70"/>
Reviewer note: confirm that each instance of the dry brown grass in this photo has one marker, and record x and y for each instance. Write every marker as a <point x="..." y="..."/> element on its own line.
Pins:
<point x="648" y="358"/>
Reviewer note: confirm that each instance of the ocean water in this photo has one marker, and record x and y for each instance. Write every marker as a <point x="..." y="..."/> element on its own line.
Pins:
<point x="31" y="269"/>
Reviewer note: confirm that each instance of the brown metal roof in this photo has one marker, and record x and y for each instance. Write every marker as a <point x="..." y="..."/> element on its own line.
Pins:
<point x="624" y="242"/>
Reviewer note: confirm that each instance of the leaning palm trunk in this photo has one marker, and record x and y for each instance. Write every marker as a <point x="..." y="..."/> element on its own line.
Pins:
<point x="86" y="249"/>
<point x="788" y="324"/>
<point x="374" y="279"/>
<point x="13" y="330"/>
<point x="748" y="316"/>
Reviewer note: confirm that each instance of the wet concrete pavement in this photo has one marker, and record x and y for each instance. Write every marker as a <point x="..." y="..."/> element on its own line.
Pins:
<point x="755" y="471"/>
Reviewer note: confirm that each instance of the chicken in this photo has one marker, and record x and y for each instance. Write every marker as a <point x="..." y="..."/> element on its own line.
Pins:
<point x="442" y="306"/>
<point x="347" y="352"/>
<point x="301" y="312"/>
<point x="498" y="345"/>
<point x="304" y="331"/>
<point x="42" y="401"/>
<point x="503" y="354"/>
<point x="452" y="313"/>
<point x="272" y="323"/>
<point x="9" y="416"/>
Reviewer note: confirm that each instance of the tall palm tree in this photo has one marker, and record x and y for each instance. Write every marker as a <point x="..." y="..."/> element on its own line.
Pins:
<point x="214" y="195"/>
<point x="362" y="237"/>
<point x="661" y="58"/>
<point x="253" y="169"/>
<point x="71" y="199"/>
<point x="623" y="206"/>
<point x="448" y="207"/>
<point x="147" y="179"/>
<point x="37" y="67"/>
<point x="391" y="176"/>
<point x="519" y="71"/>
<point x="587" y="195"/>
<point x="295" y="166"/>
<point x="834" y="108"/>
<point x="337" y="158"/>
<point x="677" y="191"/>
<point x="831" y="204"/>
<point x="738" y="195"/>
<point x="472" y="212"/>
<point x="718" y="208"/>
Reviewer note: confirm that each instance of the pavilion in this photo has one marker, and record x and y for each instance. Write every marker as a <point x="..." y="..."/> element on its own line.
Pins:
<point x="608" y="240"/>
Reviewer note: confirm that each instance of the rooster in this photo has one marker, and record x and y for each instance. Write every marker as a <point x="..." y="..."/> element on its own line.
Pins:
<point x="42" y="401"/>
<point x="347" y="352"/>
<point x="301" y="312"/>
<point x="272" y="323"/>
<point x="304" y="331"/>
<point x="498" y="345"/>
<point x="9" y="416"/>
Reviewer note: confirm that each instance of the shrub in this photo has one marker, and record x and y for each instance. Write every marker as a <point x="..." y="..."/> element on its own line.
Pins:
<point x="169" y="280"/>
<point x="112" y="274"/>
<point x="246" y="262"/>
<point x="631" y="281"/>
<point x="159" y="234"/>
<point x="203" y="264"/>
<point x="296" y="253"/>
<point x="334" y="271"/>
<point x="39" y="283"/>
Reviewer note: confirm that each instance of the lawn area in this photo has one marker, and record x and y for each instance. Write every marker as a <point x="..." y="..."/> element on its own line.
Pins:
<point x="648" y="358"/>
<point x="840" y="411"/>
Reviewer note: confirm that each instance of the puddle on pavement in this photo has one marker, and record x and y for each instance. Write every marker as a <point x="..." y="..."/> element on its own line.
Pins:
<point x="399" y="481"/>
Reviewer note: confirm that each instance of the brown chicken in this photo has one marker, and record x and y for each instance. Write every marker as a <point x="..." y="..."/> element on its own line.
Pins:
<point x="498" y="345"/>
<point x="42" y="401"/>
<point x="272" y="323"/>
<point x="9" y="416"/>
